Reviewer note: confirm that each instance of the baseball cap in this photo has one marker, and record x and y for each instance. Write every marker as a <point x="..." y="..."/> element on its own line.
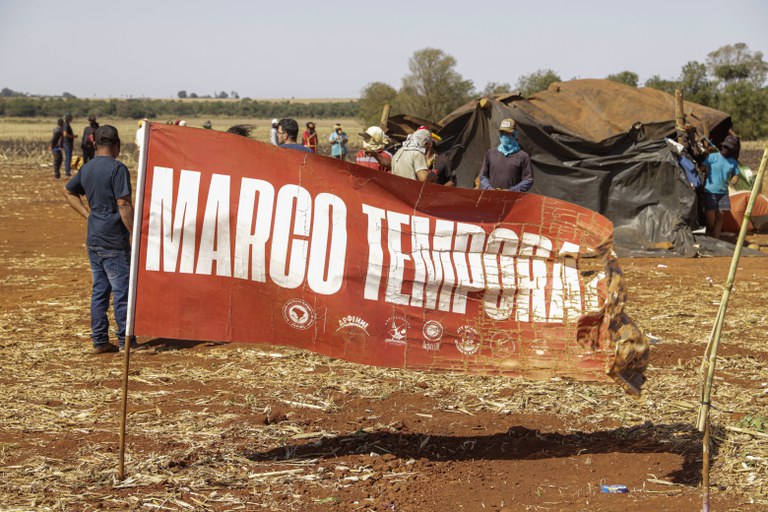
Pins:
<point x="731" y="142"/>
<point x="507" y="125"/>
<point x="106" y="135"/>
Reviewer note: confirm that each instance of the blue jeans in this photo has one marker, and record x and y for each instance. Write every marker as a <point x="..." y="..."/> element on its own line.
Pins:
<point x="111" y="273"/>
<point x="67" y="148"/>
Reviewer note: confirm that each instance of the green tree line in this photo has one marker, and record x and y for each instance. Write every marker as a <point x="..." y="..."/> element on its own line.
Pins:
<point x="732" y="80"/>
<point x="31" y="106"/>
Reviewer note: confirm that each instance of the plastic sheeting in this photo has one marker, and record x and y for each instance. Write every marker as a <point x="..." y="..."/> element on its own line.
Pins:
<point x="631" y="177"/>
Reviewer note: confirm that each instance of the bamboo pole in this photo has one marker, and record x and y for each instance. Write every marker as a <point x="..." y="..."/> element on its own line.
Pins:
<point x="679" y="116"/>
<point x="705" y="447"/>
<point x="384" y="117"/>
<point x="710" y="359"/>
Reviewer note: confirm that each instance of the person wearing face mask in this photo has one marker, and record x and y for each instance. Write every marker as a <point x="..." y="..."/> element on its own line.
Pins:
<point x="507" y="167"/>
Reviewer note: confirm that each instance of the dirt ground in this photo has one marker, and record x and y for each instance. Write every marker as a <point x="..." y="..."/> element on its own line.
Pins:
<point x="253" y="427"/>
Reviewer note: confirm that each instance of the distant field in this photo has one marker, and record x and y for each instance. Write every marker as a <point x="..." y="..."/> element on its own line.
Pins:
<point x="39" y="129"/>
<point x="273" y="100"/>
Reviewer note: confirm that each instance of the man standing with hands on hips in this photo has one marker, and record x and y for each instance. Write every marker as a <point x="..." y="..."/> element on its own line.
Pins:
<point x="107" y="186"/>
<point x="507" y="167"/>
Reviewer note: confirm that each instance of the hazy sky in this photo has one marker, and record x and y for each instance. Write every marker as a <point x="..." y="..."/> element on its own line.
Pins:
<point x="324" y="49"/>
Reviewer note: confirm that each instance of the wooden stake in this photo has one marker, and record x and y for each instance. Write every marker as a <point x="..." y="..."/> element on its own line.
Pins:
<point x="710" y="359"/>
<point x="705" y="466"/>
<point x="679" y="116"/>
<point x="384" y="117"/>
<point x="124" y="409"/>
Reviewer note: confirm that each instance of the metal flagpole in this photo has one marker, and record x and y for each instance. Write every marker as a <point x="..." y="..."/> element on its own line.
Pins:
<point x="138" y="210"/>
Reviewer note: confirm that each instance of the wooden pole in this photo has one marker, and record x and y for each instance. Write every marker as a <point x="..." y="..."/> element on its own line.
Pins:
<point x="705" y="466"/>
<point x="384" y="117"/>
<point x="131" y="309"/>
<point x="679" y="116"/>
<point x="124" y="409"/>
<point x="710" y="359"/>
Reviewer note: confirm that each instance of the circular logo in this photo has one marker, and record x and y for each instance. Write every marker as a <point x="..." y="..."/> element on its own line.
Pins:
<point x="298" y="314"/>
<point x="432" y="330"/>
<point x="467" y="342"/>
<point x="503" y="345"/>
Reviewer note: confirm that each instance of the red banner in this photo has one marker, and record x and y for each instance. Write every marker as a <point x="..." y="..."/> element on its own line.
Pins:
<point x="243" y="241"/>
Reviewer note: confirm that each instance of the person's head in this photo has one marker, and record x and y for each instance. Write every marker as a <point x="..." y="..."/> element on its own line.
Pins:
<point x="420" y="140"/>
<point x="731" y="147"/>
<point x="60" y="122"/>
<point x="311" y="127"/>
<point x="287" y="131"/>
<point x="107" y="141"/>
<point x="338" y="128"/>
<point x="374" y="139"/>
<point x="67" y="117"/>
<point x="275" y="122"/>
<point x="92" y="121"/>
<point x="207" y="125"/>
<point x="508" y="127"/>
<point x="244" y="130"/>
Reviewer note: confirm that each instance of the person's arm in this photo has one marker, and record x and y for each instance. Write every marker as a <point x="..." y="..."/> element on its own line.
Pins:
<point x="125" y="207"/>
<point x="421" y="167"/>
<point x="76" y="203"/>
<point x="526" y="181"/>
<point x="523" y="186"/>
<point x="485" y="182"/>
<point x="384" y="160"/>
<point x="735" y="178"/>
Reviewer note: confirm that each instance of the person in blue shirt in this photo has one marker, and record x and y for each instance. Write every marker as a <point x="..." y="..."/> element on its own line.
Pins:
<point x="106" y="184"/>
<point x="722" y="169"/>
<point x="338" y="140"/>
<point x="287" y="131"/>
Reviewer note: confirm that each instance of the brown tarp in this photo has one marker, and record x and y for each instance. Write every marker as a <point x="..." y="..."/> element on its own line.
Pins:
<point x="596" y="110"/>
<point x="598" y="144"/>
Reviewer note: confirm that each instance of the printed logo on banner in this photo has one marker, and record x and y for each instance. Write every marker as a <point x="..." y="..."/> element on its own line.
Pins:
<point x="298" y="314"/>
<point x="353" y="328"/>
<point x="397" y="330"/>
<point x="467" y="342"/>
<point x="503" y="344"/>
<point x="433" y="333"/>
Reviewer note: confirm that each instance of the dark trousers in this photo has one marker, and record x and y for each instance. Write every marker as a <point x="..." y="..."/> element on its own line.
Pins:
<point x="88" y="154"/>
<point x="57" y="159"/>
<point x="67" y="148"/>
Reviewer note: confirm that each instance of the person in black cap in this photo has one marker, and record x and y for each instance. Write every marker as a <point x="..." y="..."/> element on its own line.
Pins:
<point x="107" y="186"/>
<point x="86" y="144"/>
